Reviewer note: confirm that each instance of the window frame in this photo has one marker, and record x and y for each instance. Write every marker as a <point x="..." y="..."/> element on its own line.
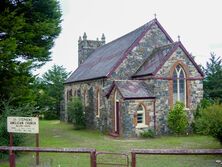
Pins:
<point x="143" y="112"/>
<point x="98" y="103"/>
<point x="178" y="79"/>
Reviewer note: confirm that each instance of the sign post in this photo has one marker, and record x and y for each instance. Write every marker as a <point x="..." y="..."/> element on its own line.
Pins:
<point x="11" y="153"/>
<point x="22" y="125"/>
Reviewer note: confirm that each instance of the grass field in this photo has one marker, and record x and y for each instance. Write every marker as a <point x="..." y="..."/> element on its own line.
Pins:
<point x="59" y="134"/>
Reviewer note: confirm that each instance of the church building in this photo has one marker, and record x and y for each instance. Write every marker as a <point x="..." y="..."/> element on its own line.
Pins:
<point x="130" y="84"/>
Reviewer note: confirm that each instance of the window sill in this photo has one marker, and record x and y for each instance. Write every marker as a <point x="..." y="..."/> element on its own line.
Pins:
<point x="141" y="126"/>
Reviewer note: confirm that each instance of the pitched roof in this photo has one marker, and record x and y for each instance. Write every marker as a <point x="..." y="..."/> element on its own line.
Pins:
<point x="159" y="56"/>
<point x="133" y="89"/>
<point x="106" y="58"/>
<point x="152" y="63"/>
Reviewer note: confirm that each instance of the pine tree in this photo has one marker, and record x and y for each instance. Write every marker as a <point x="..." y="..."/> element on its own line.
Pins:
<point x="213" y="79"/>
<point x="27" y="32"/>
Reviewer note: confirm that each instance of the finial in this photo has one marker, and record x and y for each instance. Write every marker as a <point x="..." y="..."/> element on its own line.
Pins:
<point x="103" y="39"/>
<point x="84" y="36"/>
<point x="80" y="39"/>
<point x="154" y="15"/>
<point x="97" y="39"/>
<point x="178" y="38"/>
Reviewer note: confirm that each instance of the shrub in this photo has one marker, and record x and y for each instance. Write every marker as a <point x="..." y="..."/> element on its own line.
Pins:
<point x="50" y="115"/>
<point x="8" y="110"/>
<point x="204" y="103"/>
<point x="75" y="113"/>
<point x="210" y="121"/>
<point x="177" y="119"/>
<point x="148" y="134"/>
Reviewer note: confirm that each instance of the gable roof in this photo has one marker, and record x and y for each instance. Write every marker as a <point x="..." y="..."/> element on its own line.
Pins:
<point x="159" y="56"/>
<point x="105" y="59"/>
<point x="132" y="89"/>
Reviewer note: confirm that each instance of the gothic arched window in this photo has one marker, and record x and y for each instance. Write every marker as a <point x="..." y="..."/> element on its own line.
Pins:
<point x="98" y="103"/>
<point x="179" y="85"/>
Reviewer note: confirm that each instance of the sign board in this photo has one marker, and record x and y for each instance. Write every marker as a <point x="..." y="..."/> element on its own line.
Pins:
<point x="23" y="124"/>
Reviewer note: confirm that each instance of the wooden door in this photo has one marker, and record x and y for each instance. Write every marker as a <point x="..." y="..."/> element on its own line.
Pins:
<point x="117" y="118"/>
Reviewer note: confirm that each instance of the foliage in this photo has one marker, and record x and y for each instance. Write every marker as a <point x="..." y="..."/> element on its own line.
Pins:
<point x="177" y="119"/>
<point x="75" y="113"/>
<point x="147" y="134"/>
<point x="49" y="91"/>
<point x="204" y="103"/>
<point x="210" y="121"/>
<point x="27" y="32"/>
<point x="9" y="110"/>
<point x="213" y="81"/>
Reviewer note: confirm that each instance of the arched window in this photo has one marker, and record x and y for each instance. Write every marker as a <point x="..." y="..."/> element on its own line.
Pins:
<point x="85" y="97"/>
<point x="69" y="94"/>
<point x="179" y="85"/>
<point x="98" y="103"/>
<point x="140" y="115"/>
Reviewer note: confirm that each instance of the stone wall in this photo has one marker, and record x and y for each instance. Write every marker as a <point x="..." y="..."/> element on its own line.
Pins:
<point x="87" y="91"/>
<point x="129" y="108"/>
<point x="162" y="88"/>
<point x="152" y="39"/>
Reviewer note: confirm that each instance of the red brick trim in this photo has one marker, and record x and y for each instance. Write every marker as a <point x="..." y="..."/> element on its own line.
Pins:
<point x="170" y="82"/>
<point x="167" y="78"/>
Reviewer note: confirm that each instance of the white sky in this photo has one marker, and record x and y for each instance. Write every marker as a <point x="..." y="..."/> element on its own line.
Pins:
<point x="198" y="22"/>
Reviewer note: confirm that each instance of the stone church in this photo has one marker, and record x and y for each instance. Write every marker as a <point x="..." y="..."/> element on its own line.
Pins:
<point x="129" y="85"/>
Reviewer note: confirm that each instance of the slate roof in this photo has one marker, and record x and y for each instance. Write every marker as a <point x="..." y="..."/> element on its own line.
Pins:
<point x="133" y="89"/>
<point x="105" y="58"/>
<point x="154" y="61"/>
<point x="159" y="56"/>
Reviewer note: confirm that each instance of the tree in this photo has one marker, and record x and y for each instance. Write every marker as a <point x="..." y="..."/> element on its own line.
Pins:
<point x="213" y="81"/>
<point x="50" y="90"/>
<point x="177" y="119"/>
<point x="27" y="32"/>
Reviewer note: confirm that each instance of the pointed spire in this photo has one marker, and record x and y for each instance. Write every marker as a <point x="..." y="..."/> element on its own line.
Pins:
<point x="103" y="39"/>
<point x="80" y="39"/>
<point x="84" y="36"/>
<point x="84" y="39"/>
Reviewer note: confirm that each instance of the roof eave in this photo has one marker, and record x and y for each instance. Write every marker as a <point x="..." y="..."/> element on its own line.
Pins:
<point x="83" y="80"/>
<point x="138" y="98"/>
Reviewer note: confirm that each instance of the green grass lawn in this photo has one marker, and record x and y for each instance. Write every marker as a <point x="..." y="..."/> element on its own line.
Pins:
<point x="59" y="134"/>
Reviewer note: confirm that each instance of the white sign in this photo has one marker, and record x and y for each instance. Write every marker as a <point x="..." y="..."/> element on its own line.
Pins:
<point x="23" y="124"/>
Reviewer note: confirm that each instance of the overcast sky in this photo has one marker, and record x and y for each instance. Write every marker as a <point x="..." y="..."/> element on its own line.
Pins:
<point x="198" y="22"/>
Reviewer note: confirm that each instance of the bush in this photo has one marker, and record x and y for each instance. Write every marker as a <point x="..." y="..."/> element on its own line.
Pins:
<point x="210" y="121"/>
<point x="177" y="119"/>
<point x="147" y="134"/>
<point x="75" y="113"/>
<point x="50" y="115"/>
<point x="8" y="110"/>
<point x="204" y="103"/>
